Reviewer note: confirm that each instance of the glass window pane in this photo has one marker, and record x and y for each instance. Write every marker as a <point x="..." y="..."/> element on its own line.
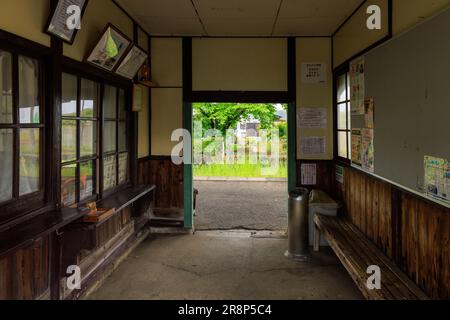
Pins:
<point x="88" y="103"/>
<point x="6" y="164"/>
<point x="87" y="186"/>
<point x="342" y="116"/>
<point x="6" y="107"/>
<point x="68" y="140"/>
<point x="109" y="102"/>
<point x="122" y="105"/>
<point x="68" y="188"/>
<point x="109" y="172"/>
<point x="28" y="90"/>
<point x="349" y="144"/>
<point x="342" y="144"/>
<point x="341" y="89"/>
<point x="69" y="95"/>
<point x="109" y="136"/>
<point x="123" y="168"/>
<point x="122" y="136"/>
<point x="30" y="161"/>
<point x="349" y="116"/>
<point x="88" y="138"/>
<point x="348" y="85"/>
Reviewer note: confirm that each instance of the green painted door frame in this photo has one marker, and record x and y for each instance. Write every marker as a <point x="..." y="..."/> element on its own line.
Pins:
<point x="188" y="177"/>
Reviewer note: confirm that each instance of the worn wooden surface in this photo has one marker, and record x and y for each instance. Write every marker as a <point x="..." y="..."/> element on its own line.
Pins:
<point x="410" y="230"/>
<point x="167" y="177"/>
<point x="357" y="253"/>
<point x="24" y="275"/>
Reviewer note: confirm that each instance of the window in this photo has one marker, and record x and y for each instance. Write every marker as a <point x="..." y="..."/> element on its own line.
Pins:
<point x="21" y="127"/>
<point x="85" y="114"/>
<point x="343" y="115"/>
<point x="115" y="146"/>
<point x="79" y="148"/>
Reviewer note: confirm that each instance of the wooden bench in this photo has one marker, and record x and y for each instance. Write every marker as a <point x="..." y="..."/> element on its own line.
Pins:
<point x="357" y="253"/>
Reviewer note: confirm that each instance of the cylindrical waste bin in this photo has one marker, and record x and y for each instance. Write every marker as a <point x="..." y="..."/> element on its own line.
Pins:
<point x="298" y="224"/>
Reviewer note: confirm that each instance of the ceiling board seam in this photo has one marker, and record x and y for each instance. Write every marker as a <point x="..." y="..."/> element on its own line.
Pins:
<point x="348" y="18"/>
<point x="276" y="18"/>
<point x="199" y="18"/>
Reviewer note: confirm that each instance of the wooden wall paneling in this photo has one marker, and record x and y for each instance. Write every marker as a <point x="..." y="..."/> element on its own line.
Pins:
<point x="369" y="207"/>
<point x="409" y="250"/>
<point x="433" y="258"/>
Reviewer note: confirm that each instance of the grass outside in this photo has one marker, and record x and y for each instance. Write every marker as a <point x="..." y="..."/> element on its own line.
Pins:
<point x="237" y="170"/>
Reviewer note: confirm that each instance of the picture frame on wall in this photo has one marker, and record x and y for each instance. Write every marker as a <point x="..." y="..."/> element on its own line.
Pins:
<point x="57" y="21"/>
<point x="132" y="62"/>
<point x="110" y="49"/>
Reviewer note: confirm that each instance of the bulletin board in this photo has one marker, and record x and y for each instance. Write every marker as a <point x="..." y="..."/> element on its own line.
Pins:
<point x="408" y="78"/>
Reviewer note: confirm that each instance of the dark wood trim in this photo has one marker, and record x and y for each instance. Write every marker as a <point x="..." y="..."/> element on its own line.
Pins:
<point x="150" y="107"/>
<point x="11" y="41"/>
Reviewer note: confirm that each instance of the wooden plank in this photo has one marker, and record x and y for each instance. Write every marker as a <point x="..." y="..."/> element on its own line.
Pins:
<point x="370" y="247"/>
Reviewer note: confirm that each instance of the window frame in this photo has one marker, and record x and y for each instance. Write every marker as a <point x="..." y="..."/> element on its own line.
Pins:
<point x="20" y="205"/>
<point x="99" y="192"/>
<point x="344" y="70"/>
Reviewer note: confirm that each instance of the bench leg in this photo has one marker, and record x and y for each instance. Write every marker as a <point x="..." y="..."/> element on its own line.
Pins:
<point x="316" y="241"/>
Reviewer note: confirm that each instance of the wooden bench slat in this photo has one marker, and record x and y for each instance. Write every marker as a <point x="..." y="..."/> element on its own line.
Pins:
<point x="412" y="287"/>
<point x="357" y="253"/>
<point x="390" y="280"/>
<point x="348" y="259"/>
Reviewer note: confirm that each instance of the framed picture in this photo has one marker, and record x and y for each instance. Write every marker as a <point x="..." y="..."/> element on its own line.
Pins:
<point x="110" y="49"/>
<point x="57" y="24"/>
<point x="132" y="62"/>
<point x="138" y="97"/>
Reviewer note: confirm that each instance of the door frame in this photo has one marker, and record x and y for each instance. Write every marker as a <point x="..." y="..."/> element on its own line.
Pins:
<point x="288" y="97"/>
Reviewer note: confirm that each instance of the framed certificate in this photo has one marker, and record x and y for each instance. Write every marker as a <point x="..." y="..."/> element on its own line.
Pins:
<point x="58" y="22"/>
<point x="132" y="62"/>
<point x="110" y="49"/>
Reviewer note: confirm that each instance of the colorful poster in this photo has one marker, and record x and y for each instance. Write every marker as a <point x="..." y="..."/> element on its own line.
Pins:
<point x="312" y="118"/>
<point x="437" y="177"/>
<point x="367" y="150"/>
<point x="369" y="106"/>
<point x="356" y="146"/>
<point x="357" y="86"/>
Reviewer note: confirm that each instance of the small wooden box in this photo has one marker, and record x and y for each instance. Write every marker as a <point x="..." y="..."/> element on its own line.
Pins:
<point x="99" y="215"/>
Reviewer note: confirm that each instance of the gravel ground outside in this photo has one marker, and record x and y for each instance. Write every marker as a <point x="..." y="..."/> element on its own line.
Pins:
<point x="253" y="205"/>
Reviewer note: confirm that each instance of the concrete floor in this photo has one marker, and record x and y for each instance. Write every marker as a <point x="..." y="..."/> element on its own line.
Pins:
<point x="225" y="265"/>
<point x="225" y="205"/>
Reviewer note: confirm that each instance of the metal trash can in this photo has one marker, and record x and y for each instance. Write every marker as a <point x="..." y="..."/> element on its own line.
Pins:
<point x="298" y="224"/>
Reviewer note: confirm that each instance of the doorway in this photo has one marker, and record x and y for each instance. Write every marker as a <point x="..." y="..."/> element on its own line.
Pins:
<point x="242" y="168"/>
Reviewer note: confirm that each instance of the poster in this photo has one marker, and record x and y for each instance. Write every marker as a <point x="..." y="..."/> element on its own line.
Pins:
<point x="437" y="177"/>
<point x="132" y="62"/>
<point x="313" y="145"/>
<point x="312" y="118"/>
<point x="314" y="72"/>
<point x="367" y="150"/>
<point x="340" y="174"/>
<point x="309" y="174"/>
<point x="369" y="106"/>
<point x="357" y="86"/>
<point x="356" y="146"/>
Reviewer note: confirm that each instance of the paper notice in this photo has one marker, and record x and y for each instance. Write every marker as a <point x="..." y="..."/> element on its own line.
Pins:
<point x="369" y="106"/>
<point x="309" y="174"/>
<point x="312" y="118"/>
<point x="356" y="146"/>
<point x="314" y="72"/>
<point x="357" y="86"/>
<point x="313" y="145"/>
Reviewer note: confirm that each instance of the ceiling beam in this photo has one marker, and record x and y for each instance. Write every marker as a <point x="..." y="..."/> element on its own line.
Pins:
<point x="199" y="18"/>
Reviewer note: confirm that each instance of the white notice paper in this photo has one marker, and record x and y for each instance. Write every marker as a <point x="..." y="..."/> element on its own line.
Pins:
<point x="312" y="118"/>
<point x="314" y="72"/>
<point x="313" y="145"/>
<point x="309" y="174"/>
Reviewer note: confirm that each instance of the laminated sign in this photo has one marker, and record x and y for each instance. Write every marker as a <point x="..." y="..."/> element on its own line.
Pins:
<point x="314" y="72"/>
